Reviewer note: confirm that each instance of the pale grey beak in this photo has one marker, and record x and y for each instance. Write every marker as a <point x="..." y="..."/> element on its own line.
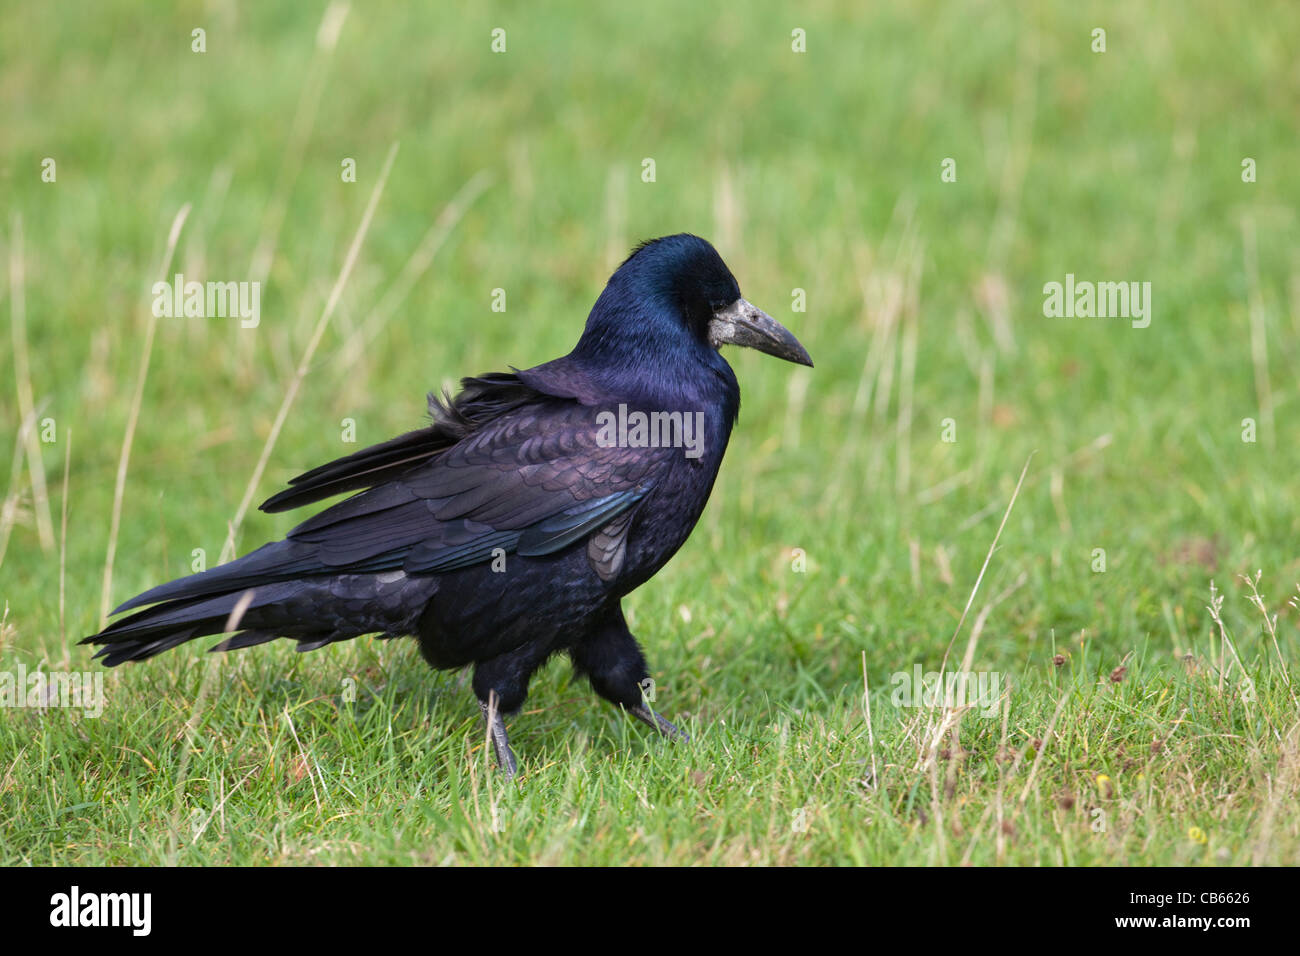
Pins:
<point x="744" y="324"/>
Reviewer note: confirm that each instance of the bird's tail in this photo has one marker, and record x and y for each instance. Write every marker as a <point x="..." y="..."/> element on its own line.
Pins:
<point x="273" y="592"/>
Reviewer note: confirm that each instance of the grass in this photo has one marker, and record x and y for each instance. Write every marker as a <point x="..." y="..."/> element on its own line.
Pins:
<point x="1145" y="721"/>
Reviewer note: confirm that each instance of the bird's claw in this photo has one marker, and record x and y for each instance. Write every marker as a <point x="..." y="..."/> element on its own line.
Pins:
<point x="666" y="727"/>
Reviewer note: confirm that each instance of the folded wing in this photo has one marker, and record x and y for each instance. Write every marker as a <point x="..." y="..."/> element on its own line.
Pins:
<point x="532" y="481"/>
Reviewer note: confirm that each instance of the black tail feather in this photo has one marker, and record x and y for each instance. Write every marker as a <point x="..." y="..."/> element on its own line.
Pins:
<point x="277" y="561"/>
<point x="167" y="625"/>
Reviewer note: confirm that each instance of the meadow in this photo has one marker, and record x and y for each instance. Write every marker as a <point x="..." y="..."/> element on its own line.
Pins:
<point x="1095" y="516"/>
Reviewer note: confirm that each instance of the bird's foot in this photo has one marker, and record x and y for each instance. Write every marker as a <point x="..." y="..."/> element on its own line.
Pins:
<point x="666" y="727"/>
<point x="496" y="730"/>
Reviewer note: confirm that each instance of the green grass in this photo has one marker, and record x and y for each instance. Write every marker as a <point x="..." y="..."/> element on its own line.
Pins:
<point x="1132" y="732"/>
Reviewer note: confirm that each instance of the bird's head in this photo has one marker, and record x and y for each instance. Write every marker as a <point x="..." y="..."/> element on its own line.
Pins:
<point x="676" y="295"/>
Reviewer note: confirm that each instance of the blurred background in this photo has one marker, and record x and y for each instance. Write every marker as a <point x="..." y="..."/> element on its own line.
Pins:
<point x="809" y="143"/>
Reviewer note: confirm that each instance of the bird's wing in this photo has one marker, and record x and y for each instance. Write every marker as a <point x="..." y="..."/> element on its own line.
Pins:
<point x="531" y="481"/>
<point x="481" y="399"/>
<point x="365" y="469"/>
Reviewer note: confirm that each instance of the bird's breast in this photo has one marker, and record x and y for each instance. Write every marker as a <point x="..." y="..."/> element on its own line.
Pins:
<point x="665" y="518"/>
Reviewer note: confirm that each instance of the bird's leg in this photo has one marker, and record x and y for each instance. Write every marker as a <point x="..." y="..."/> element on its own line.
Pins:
<point x="501" y="685"/>
<point x="611" y="659"/>
<point x="496" y="730"/>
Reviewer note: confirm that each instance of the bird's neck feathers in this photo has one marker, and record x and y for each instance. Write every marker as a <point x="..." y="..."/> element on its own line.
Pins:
<point x="636" y="347"/>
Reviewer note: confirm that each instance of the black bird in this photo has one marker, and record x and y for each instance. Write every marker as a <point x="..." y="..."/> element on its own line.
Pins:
<point x="510" y="528"/>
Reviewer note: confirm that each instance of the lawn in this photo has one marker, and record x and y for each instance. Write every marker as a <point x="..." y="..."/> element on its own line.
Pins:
<point x="1095" y="516"/>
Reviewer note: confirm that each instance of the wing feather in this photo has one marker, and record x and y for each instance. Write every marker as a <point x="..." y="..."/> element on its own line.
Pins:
<point x="532" y="481"/>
